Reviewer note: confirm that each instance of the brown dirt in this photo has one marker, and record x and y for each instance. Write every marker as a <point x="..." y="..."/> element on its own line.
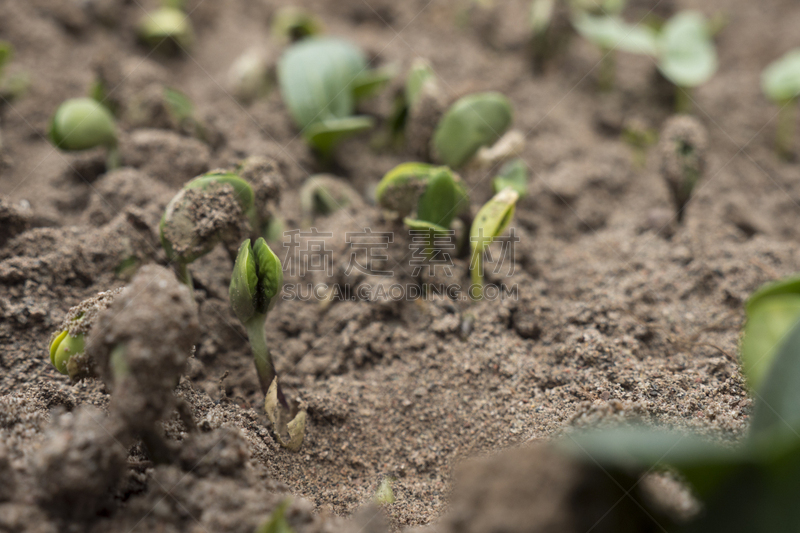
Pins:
<point x="621" y="312"/>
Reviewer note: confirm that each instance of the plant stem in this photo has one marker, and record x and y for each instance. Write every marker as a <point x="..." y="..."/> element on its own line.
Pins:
<point x="258" y="343"/>
<point x="607" y="74"/>
<point x="683" y="100"/>
<point x="477" y="273"/>
<point x="784" y="137"/>
<point x="185" y="276"/>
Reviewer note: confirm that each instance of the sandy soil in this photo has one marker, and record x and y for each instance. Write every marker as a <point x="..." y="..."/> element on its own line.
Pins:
<point x="621" y="313"/>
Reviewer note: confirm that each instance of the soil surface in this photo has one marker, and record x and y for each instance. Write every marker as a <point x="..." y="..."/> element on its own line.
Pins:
<point x="620" y="312"/>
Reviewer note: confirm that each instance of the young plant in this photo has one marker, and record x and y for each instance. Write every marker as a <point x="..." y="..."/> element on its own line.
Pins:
<point x="209" y="209"/>
<point x="292" y="24"/>
<point x="472" y="122"/>
<point x="83" y="123"/>
<point x="513" y="174"/>
<point x="490" y="222"/>
<point x="168" y="28"/>
<point x="682" y="150"/>
<point x="402" y="188"/>
<point x="323" y="194"/>
<point x="687" y="56"/>
<point x="67" y="347"/>
<point x="321" y="79"/>
<point x="255" y="285"/>
<point x="781" y="83"/>
<point x="250" y="76"/>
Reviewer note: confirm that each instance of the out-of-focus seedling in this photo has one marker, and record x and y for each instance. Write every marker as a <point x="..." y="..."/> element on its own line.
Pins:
<point x="490" y="222"/>
<point x="83" y="123"/>
<point x="385" y="495"/>
<point x="323" y="194"/>
<point x="249" y="78"/>
<point x="292" y="23"/>
<point x="402" y="188"/>
<point x="682" y="151"/>
<point x="321" y="79"/>
<point x="771" y="313"/>
<point x="611" y="33"/>
<point x="167" y="28"/>
<point x="209" y="209"/>
<point x="255" y="285"/>
<point x="277" y="522"/>
<point x="472" y="122"/>
<point x="513" y="174"/>
<point x="781" y="83"/>
<point x="687" y="56"/>
<point x="67" y="353"/>
<point x="14" y="86"/>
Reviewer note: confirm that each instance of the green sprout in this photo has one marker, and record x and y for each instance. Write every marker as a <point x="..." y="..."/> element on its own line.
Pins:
<point x="14" y="86"/>
<point x="611" y="33"/>
<point x="771" y="313"/>
<point x="291" y="24"/>
<point x="255" y="285"/>
<point x="385" y="495"/>
<point x="208" y="209"/>
<point x="490" y="222"/>
<point x="472" y="122"/>
<point x="323" y="194"/>
<point x="748" y="487"/>
<point x="63" y="348"/>
<point x="687" y="56"/>
<point x="83" y="123"/>
<point x="167" y="28"/>
<point x="277" y="522"/>
<point x="781" y="83"/>
<point x="321" y="79"/>
<point x="513" y="174"/>
<point x="402" y="188"/>
<point x="682" y="149"/>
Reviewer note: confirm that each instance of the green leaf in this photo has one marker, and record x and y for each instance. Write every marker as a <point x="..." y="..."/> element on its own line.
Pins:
<point x="385" y="495"/>
<point x="513" y="174"/>
<point x="688" y="57"/>
<point x="400" y="187"/>
<point x="771" y="313"/>
<point x="317" y="76"/>
<point x="613" y="33"/>
<point x="277" y="521"/>
<point x="493" y="218"/>
<point x="326" y="134"/>
<point x="244" y="283"/>
<point x="473" y="121"/>
<point x="781" y="79"/>
<point x="68" y="347"/>
<point x="242" y="189"/>
<point x="370" y="82"/>
<point x="166" y="23"/>
<point x="704" y="464"/>
<point x="419" y="74"/>
<point x="270" y="275"/>
<point x="82" y="123"/>
<point x="54" y="346"/>
<point x="439" y="203"/>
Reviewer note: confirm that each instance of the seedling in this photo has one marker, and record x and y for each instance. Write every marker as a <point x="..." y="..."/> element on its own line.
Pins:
<point x="209" y="209"/>
<point x="249" y="78"/>
<point x="321" y="79"/>
<point x="513" y="174"/>
<point x="402" y="188"/>
<point x="322" y="195"/>
<point x="682" y="150"/>
<point x="781" y="83"/>
<point x="291" y="24"/>
<point x="167" y="28"/>
<point x="687" y="56"/>
<point x="255" y="284"/>
<point x="490" y="222"/>
<point x="751" y="487"/>
<point x="472" y="122"/>
<point x="385" y="495"/>
<point x="83" y="123"/>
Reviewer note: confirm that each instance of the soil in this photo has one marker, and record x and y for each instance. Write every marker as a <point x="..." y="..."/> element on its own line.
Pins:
<point x="622" y="312"/>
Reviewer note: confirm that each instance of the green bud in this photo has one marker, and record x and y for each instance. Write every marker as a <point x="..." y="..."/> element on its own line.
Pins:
<point x="256" y="280"/>
<point x="166" y="24"/>
<point x="473" y="121"/>
<point x="63" y="347"/>
<point x="385" y="495"/>
<point x="82" y="123"/>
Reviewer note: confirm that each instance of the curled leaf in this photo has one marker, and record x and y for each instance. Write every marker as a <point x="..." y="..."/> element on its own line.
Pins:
<point x="493" y="218"/>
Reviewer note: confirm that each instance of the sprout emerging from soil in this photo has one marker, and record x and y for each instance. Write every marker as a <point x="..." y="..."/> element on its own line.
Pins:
<point x="67" y="348"/>
<point x="781" y="83"/>
<point x="472" y="122"/>
<point x="84" y="123"/>
<point x="255" y="285"/>
<point x="249" y="78"/>
<point x="167" y="28"/>
<point x="385" y="495"/>
<point x="401" y="191"/>
<point x="490" y="222"/>
<point x="323" y="194"/>
<point x="321" y="79"/>
<point x="212" y="208"/>
<point x="682" y="150"/>
<point x="292" y="24"/>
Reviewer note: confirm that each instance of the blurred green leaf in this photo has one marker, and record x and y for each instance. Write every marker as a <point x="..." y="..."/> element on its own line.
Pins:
<point x="178" y="105"/>
<point x="372" y="81"/>
<point x="440" y="201"/>
<point x="781" y="79"/>
<point x="473" y="121"/>
<point x="513" y="174"/>
<point x="326" y="134"/>
<point x="290" y="23"/>
<point x="493" y="218"/>
<point x="613" y="33"/>
<point x="6" y="53"/>
<point x="419" y="73"/>
<point x="688" y="57"/>
<point x="277" y="521"/>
